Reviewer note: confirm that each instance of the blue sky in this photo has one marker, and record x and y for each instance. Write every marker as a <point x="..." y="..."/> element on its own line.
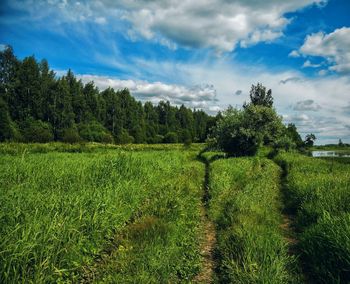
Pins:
<point x="205" y="54"/>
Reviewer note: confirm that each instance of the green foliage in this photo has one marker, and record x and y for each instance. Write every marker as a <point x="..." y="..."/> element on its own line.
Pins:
<point x="124" y="137"/>
<point x="310" y="140"/>
<point x="241" y="132"/>
<point x="233" y="136"/>
<point x="30" y="89"/>
<point x="6" y="131"/>
<point x="37" y="131"/>
<point x="94" y="131"/>
<point x="70" y="135"/>
<point x="284" y="142"/>
<point x="185" y="136"/>
<point x="260" y="97"/>
<point x="170" y="137"/>
<point x="292" y="133"/>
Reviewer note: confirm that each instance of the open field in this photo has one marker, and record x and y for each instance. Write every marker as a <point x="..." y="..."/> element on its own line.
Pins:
<point x="98" y="213"/>
<point x="121" y="216"/>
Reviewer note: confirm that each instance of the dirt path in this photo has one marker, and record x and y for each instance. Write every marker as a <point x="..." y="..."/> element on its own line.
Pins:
<point x="288" y="217"/>
<point x="208" y="241"/>
<point x="288" y="228"/>
<point x="288" y="232"/>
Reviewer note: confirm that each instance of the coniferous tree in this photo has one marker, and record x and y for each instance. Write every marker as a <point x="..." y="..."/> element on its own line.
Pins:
<point x="34" y="100"/>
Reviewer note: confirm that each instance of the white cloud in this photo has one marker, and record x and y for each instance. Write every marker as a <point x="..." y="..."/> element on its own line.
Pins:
<point x="217" y="24"/>
<point x="100" y="20"/>
<point x="322" y="72"/>
<point x="308" y="63"/>
<point x="203" y="96"/>
<point x="306" y="105"/>
<point x="215" y="108"/>
<point x="294" y="53"/>
<point x="333" y="46"/>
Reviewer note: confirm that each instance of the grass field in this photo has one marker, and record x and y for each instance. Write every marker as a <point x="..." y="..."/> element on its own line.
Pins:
<point x="318" y="194"/>
<point x="115" y="215"/>
<point x="98" y="213"/>
<point x="245" y="205"/>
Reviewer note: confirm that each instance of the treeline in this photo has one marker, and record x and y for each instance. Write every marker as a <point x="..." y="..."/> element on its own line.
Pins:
<point x="38" y="106"/>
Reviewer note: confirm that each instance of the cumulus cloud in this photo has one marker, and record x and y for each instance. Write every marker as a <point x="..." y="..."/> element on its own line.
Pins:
<point x="306" y="105"/>
<point x="308" y="63"/>
<point x="334" y="47"/>
<point x="217" y="24"/>
<point x="200" y="96"/>
<point x="294" y="53"/>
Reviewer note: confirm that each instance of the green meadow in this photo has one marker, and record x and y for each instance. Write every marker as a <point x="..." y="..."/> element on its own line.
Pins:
<point x="95" y="213"/>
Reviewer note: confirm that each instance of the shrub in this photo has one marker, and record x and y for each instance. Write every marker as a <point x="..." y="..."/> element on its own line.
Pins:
<point x="94" y="131"/>
<point x="5" y="122"/>
<point x="124" y="137"/>
<point x="241" y="132"/>
<point x="285" y="143"/>
<point x="70" y="135"/>
<point x="37" y="131"/>
<point x="170" y="137"/>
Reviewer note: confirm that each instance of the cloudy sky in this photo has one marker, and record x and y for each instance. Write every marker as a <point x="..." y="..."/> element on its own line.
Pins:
<point x="204" y="54"/>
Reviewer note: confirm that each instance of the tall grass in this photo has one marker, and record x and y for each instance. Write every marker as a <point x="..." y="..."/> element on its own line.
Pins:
<point x="245" y="205"/>
<point x="319" y="194"/>
<point x="62" y="213"/>
<point x="13" y="148"/>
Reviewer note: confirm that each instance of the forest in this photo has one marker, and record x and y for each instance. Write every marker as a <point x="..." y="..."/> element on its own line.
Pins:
<point x="36" y="105"/>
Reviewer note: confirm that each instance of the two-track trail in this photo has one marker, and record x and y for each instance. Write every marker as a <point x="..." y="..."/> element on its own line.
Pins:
<point x="208" y="234"/>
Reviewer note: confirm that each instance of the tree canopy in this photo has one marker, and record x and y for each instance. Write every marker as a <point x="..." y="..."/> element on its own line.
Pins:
<point x="259" y="96"/>
<point x="37" y="105"/>
<point x="310" y="139"/>
<point x="241" y="132"/>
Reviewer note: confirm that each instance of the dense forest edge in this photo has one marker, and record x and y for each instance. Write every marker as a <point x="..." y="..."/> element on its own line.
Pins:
<point x="38" y="106"/>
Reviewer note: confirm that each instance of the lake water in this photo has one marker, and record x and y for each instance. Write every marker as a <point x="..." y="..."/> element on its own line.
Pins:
<point x="330" y="154"/>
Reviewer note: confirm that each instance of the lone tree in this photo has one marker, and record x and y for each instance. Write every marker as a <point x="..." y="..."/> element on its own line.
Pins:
<point x="310" y="139"/>
<point x="241" y="132"/>
<point x="260" y="97"/>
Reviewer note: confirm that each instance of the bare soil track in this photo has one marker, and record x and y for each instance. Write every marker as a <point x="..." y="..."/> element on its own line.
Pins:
<point x="208" y="240"/>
